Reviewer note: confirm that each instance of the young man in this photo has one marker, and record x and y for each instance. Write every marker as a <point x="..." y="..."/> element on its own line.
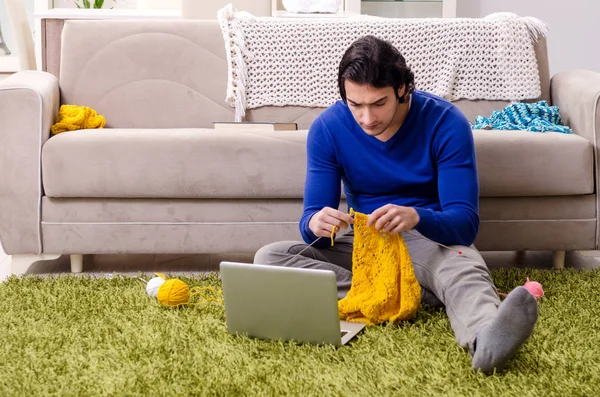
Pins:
<point x="407" y="158"/>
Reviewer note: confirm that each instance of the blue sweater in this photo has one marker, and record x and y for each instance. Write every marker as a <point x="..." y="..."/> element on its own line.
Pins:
<point x="429" y="164"/>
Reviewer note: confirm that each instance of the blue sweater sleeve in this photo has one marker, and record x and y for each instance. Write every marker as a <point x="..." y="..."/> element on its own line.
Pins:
<point x="323" y="179"/>
<point x="458" y="185"/>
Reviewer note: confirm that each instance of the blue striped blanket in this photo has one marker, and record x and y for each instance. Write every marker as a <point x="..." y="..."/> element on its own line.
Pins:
<point x="537" y="117"/>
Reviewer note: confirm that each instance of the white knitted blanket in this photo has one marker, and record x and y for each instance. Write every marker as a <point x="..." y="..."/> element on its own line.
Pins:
<point x="294" y="61"/>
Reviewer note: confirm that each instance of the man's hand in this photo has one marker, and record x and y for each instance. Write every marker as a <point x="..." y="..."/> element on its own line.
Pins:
<point x="393" y="218"/>
<point x="323" y="222"/>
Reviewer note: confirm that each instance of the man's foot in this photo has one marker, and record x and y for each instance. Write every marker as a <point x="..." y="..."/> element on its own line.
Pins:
<point x="497" y="342"/>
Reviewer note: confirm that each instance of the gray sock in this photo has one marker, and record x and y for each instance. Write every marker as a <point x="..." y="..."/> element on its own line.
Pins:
<point x="500" y="340"/>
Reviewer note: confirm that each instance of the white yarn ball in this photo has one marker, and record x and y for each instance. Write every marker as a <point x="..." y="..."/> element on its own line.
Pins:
<point x="311" y="6"/>
<point x="153" y="286"/>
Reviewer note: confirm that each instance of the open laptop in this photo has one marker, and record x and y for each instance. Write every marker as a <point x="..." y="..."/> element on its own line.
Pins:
<point x="274" y="302"/>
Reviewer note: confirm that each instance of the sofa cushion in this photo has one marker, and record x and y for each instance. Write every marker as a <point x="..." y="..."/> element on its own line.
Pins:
<point x="204" y="163"/>
<point x="174" y="163"/>
<point x="525" y="163"/>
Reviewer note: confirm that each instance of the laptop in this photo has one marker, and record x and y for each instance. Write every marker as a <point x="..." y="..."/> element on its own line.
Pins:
<point x="287" y="303"/>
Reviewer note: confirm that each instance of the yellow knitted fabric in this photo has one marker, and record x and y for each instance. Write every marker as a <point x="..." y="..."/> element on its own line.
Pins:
<point x="73" y="117"/>
<point x="384" y="286"/>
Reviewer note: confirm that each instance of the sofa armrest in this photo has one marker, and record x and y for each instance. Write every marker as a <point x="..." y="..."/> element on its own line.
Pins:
<point x="29" y="103"/>
<point x="577" y="93"/>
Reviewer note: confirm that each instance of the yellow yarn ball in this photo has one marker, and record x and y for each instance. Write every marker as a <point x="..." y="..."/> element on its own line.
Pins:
<point x="173" y="293"/>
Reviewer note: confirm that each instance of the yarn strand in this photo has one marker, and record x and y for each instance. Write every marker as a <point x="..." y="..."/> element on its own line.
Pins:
<point x="200" y="291"/>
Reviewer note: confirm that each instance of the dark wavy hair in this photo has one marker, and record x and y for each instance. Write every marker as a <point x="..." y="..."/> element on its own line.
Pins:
<point x="370" y="60"/>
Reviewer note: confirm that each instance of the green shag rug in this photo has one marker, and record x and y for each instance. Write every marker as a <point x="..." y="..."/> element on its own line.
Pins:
<point x="83" y="336"/>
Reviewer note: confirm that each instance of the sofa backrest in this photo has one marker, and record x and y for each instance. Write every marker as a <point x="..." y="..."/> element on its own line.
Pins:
<point x="146" y="73"/>
<point x="173" y="74"/>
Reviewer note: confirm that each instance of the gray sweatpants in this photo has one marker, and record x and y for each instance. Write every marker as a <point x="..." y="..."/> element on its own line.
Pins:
<point x="461" y="283"/>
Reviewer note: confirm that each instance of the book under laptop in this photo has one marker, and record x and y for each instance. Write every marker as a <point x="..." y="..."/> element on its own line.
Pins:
<point x="254" y="126"/>
<point x="287" y="303"/>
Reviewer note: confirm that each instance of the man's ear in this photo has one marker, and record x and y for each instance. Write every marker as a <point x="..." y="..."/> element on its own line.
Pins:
<point x="401" y="91"/>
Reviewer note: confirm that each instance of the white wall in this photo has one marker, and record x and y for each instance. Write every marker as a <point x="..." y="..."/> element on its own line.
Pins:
<point x="574" y="27"/>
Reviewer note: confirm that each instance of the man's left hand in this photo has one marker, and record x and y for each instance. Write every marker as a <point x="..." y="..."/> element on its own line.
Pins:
<point x="393" y="218"/>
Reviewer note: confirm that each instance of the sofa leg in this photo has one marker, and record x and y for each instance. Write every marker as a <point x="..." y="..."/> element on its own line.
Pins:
<point x="21" y="262"/>
<point x="558" y="259"/>
<point x="76" y="263"/>
<point x="520" y="257"/>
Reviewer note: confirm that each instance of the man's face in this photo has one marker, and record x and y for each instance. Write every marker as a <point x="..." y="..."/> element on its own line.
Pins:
<point x="373" y="108"/>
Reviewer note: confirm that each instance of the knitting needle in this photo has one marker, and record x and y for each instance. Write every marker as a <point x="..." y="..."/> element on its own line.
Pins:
<point x="308" y="246"/>
<point x="304" y="249"/>
<point x="428" y="239"/>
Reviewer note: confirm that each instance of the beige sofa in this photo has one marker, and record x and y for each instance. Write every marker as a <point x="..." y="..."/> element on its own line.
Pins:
<point x="159" y="179"/>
